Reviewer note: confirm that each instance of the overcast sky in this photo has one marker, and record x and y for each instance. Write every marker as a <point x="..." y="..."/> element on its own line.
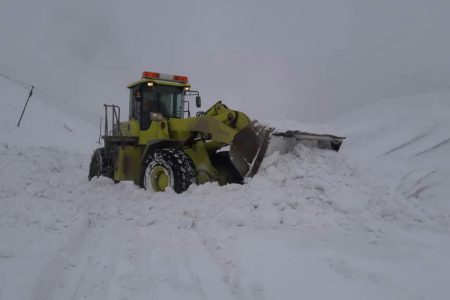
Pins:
<point x="302" y="60"/>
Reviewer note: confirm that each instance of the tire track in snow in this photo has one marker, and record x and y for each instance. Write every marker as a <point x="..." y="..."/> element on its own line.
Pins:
<point x="53" y="270"/>
<point x="434" y="147"/>
<point x="408" y="143"/>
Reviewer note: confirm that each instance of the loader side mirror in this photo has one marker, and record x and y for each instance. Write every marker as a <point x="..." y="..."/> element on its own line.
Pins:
<point x="198" y="101"/>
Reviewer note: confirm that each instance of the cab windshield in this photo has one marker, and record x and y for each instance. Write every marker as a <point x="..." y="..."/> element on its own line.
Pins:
<point x="166" y="100"/>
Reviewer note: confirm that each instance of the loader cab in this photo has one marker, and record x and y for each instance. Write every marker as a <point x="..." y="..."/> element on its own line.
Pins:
<point x="150" y="97"/>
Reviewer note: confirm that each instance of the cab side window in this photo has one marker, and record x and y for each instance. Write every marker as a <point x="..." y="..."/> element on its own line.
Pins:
<point x="149" y="105"/>
<point x="135" y="103"/>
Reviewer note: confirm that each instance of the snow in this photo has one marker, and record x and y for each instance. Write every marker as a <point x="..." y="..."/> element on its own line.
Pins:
<point x="45" y="122"/>
<point x="370" y="222"/>
<point x="405" y="143"/>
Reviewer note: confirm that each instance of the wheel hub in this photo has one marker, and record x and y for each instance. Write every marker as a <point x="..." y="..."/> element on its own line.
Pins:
<point x="159" y="178"/>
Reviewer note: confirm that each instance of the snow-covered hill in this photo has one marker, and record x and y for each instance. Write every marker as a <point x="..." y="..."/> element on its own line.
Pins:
<point x="405" y="142"/>
<point x="312" y="224"/>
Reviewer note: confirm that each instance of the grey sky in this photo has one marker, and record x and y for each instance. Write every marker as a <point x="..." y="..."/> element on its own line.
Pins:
<point x="302" y="60"/>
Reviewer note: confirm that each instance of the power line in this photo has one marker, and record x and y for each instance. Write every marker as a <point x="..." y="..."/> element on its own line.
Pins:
<point x="37" y="90"/>
<point x="87" y="116"/>
<point x="20" y="82"/>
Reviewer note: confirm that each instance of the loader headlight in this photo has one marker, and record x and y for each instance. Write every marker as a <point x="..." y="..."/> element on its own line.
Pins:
<point x="149" y="83"/>
<point x="186" y="88"/>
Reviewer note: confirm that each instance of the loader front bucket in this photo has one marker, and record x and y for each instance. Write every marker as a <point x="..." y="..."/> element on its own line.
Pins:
<point x="248" y="148"/>
<point x="254" y="142"/>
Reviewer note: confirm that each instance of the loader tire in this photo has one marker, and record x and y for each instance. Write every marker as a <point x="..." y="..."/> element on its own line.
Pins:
<point x="100" y="164"/>
<point x="167" y="168"/>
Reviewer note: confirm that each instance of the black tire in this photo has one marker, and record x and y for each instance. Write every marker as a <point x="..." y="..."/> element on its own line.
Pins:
<point x="100" y="164"/>
<point x="176" y="165"/>
<point x="222" y="162"/>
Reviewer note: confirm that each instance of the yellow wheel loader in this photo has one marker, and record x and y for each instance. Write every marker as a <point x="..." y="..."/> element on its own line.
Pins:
<point x="162" y="146"/>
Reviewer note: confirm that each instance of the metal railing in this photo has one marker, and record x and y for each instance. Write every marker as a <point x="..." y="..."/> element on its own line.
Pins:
<point x="188" y="110"/>
<point x="112" y="120"/>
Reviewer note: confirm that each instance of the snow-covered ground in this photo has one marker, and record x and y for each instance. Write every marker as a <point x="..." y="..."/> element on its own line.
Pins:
<point x="370" y="222"/>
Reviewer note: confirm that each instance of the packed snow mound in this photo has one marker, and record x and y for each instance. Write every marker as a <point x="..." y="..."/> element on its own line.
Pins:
<point x="45" y="122"/>
<point x="406" y="142"/>
<point x="308" y="187"/>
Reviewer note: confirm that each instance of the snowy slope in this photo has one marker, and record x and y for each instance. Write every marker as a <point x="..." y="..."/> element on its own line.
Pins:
<point x="406" y="143"/>
<point x="312" y="224"/>
<point x="45" y="123"/>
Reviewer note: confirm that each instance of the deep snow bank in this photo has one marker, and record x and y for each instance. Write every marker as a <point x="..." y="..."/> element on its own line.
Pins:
<point x="308" y="187"/>
<point x="308" y="216"/>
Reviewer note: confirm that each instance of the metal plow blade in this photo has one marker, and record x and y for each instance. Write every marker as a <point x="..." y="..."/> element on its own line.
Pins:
<point x="286" y="141"/>
<point x="254" y="142"/>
